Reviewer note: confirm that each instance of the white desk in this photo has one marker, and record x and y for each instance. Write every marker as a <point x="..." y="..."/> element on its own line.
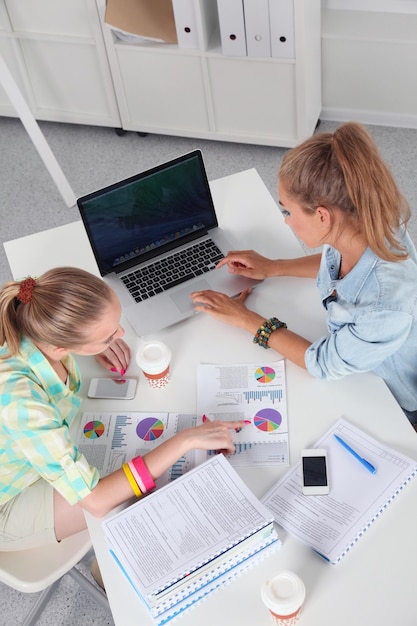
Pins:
<point x="376" y="583"/>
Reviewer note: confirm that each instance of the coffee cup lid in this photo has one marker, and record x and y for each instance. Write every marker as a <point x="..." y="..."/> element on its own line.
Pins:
<point x="284" y="593"/>
<point x="153" y="356"/>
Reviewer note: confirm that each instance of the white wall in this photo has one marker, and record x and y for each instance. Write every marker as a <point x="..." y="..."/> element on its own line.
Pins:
<point x="369" y="61"/>
<point x="389" y="6"/>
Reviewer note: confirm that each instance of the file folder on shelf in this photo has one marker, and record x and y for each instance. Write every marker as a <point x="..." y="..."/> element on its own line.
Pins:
<point x="153" y="20"/>
<point x="281" y="19"/>
<point x="232" y="27"/>
<point x="258" y="38"/>
<point x="186" y="23"/>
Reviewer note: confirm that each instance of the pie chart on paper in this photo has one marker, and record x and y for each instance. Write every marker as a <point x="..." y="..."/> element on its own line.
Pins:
<point x="267" y="420"/>
<point x="264" y="374"/>
<point x="150" y="428"/>
<point x="94" y="429"/>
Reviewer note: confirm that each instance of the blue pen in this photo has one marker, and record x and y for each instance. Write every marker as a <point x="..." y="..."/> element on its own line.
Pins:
<point x="361" y="460"/>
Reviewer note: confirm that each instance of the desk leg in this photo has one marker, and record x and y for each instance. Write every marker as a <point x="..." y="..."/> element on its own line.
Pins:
<point x="9" y="85"/>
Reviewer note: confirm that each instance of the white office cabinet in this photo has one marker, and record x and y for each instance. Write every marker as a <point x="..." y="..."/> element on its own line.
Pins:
<point x="248" y="100"/>
<point x="163" y="88"/>
<point x="55" y="51"/>
<point x="166" y="90"/>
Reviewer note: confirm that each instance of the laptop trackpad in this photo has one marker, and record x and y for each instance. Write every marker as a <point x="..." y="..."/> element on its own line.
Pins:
<point x="182" y="296"/>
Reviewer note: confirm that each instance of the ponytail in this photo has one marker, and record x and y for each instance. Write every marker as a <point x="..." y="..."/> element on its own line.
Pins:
<point x="58" y="308"/>
<point x="343" y="170"/>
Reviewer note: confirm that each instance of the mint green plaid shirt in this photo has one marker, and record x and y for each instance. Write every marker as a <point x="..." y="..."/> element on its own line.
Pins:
<point x="36" y="410"/>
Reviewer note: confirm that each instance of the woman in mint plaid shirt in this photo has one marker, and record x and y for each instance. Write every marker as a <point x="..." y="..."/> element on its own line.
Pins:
<point x="45" y="483"/>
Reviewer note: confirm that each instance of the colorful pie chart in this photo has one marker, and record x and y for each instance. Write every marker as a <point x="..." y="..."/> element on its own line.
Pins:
<point x="149" y="428"/>
<point x="267" y="420"/>
<point x="94" y="429"/>
<point x="265" y="374"/>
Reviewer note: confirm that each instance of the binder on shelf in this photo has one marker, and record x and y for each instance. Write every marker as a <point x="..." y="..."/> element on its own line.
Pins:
<point x="258" y="37"/>
<point x="232" y="27"/>
<point x="186" y="23"/>
<point x="281" y="20"/>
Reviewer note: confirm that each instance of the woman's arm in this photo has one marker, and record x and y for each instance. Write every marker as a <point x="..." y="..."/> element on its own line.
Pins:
<point x="233" y="311"/>
<point x="253" y="265"/>
<point x="114" y="489"/>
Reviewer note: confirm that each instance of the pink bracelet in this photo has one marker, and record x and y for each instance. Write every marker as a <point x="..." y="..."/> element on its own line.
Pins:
<point x="136" y="476"/>
<point x="143" y="472"/>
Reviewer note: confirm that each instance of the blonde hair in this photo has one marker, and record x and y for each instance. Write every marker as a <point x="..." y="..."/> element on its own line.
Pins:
<point x="61" y="310"/>
<point x="344" y="170"/>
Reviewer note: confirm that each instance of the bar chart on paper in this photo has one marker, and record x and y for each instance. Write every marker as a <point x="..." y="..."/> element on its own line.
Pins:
<point x="255" y="393"/>
<point x="274" y="395"/>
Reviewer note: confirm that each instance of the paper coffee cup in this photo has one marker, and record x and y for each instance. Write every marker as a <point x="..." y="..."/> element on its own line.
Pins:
<point x="154" y="358"/>
<point x="284" y="595"/>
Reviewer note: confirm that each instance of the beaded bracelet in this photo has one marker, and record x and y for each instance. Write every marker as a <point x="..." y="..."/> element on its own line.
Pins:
<point x="132" y="481"/>
<point x="143" y="472"/>
<point x="265" y="331"/>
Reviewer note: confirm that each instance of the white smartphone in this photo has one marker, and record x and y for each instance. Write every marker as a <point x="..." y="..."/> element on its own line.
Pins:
<point x="314" y="470"/>
<point x="120" y="389"/>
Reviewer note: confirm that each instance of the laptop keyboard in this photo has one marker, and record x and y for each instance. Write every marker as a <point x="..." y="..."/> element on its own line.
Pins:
<point x="161" y="275"/>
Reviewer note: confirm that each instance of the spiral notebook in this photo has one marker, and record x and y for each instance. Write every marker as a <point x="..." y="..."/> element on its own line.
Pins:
<point x="190" y="537"/>
<point x="333" y="524"/>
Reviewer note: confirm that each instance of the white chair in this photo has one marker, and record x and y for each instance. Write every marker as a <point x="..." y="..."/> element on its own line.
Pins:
<point x="41" y="569"/>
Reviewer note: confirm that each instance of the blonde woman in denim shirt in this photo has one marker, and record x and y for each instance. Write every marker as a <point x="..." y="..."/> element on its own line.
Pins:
<point x="336" y="192"/>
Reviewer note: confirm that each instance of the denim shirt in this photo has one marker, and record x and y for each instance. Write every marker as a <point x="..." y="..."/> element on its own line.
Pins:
<point x="372" y="322"/>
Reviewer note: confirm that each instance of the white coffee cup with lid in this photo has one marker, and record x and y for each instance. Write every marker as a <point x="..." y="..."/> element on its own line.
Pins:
<point x="154" y="358"/>
<point x="284" y="595"/>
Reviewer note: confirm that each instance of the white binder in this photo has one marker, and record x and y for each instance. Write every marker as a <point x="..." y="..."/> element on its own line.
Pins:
<point x="186" y="23"/>
<point x="232" y="27"/>
<point x="258" y="38"/>
<point x="281" y="18"/>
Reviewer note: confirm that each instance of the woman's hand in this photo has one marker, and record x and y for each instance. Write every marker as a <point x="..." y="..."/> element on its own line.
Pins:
<point x="230" y="310"/>
<point x="209" y="436"/>
<point x="248" y="263"/>
<point x="213" y="436"/>
<point x="116" y="357"/>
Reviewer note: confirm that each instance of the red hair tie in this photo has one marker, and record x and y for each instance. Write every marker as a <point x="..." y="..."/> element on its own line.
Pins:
<point x="26" y="290"/>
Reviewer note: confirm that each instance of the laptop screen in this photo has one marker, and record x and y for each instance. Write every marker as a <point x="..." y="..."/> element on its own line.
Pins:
<point x="148" y="214"/>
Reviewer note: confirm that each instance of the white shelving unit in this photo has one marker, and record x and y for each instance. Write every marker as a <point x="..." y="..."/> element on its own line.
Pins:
<point x="56" y="54"/>
<point x="162" y="88"/>
<point x="70" y="67"/>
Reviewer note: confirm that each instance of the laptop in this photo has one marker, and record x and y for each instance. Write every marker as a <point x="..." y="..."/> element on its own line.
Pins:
<point x="156" y="239"/>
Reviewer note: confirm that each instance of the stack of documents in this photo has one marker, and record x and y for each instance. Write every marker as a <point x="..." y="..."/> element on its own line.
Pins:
<point x="187" y="539"/>
<point x="365" y="476"/>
